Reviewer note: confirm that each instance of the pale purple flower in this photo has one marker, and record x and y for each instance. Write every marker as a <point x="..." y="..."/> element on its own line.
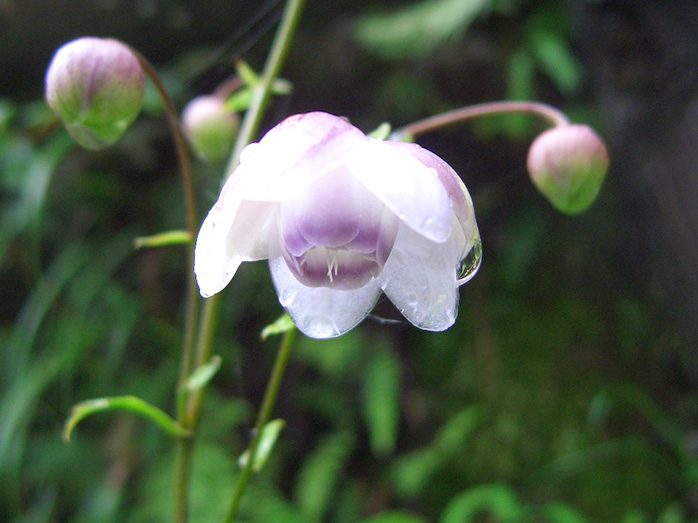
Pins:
<point x="342" y="217"/>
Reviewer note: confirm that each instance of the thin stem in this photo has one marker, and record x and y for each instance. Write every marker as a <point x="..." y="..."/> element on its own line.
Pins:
<point x="190" y="406"/>
<point x="272" y="70"/>
<point x="552" y="115"/>
<point x="192" y="296"/>
<point x="262" y="419"/>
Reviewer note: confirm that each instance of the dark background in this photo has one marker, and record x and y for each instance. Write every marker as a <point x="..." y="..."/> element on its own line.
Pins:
<point x="567" y="389"/>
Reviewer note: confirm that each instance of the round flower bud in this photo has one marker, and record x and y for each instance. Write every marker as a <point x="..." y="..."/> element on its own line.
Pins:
<point x="210" y="127"/>
<point x="568" y="165"/>
<point x="96" y="87"/>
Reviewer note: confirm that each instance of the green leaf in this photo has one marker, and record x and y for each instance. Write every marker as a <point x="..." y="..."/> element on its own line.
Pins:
<point x="417" y="30"/>
<point x="394" y="516"/>
<point x="381" y="401"/>
<point x="381" y="132"/>
<point x="248" y="75"/>
<point x="203" y="374"/>
<point x="319" y="474"/>
<point x="128" y="403"/>
<point x="267" y="440"/>
<point x="282" y="325"/>
<point x="497" y="500"/>
<point x="163" y="239"/>
<point x="412" y="472"/>
<point x="240" y="100"/>
<point x="561" y="513"/>
<point x="556" y="59"/>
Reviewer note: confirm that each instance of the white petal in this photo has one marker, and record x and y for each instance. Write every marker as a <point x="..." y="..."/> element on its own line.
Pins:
<point x="321" y="312"/>
<point x="420" y="278"/>
<point x="293" y="154"/>
<point x="457" y="192"/>
<point x="406" y="186"/>
<point x="233" y="232"/>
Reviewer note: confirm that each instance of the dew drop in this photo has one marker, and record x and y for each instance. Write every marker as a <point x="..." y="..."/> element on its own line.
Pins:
<point x="468" y="266"/>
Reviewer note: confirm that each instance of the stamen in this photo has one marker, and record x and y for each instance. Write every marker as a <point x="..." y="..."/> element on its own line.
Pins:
<point x="332" y="263"/>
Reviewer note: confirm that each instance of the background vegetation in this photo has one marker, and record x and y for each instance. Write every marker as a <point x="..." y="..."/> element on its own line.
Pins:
<point x="565" y="392"/>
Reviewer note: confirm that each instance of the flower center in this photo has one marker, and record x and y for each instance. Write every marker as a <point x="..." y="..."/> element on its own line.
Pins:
<point x="336" y="233"/>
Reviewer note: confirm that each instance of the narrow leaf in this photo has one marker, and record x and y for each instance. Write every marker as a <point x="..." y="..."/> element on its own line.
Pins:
<point x="381" y="132"/>
<point x="394" y="516"/>
<point x="163" y="239"/>
<point x="203" y="374"/>
<point x="496" y="500"/>
<point x="381" y="401"/>
<point x="280" y="326"/>
<point x="320" y="473"/>
<point x="248" y="75"/>
<point x="128" y="403"/>
<point x="267" y="441"/>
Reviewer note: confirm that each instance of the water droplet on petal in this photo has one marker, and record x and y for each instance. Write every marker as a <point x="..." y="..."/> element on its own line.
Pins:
<point x="468" y="266"/>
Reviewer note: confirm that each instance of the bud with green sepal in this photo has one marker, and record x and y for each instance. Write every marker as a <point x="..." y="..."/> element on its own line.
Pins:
<point x="96" y="87"/>
<point x="210" y="127"/>
<point x="568" y="165"/>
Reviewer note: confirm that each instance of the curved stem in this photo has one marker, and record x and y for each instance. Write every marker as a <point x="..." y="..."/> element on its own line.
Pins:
<point x="190" y="406"/>
<point x="263" y="417"/>
<point x="555" y="117"/>
<point x="192" y="296"/>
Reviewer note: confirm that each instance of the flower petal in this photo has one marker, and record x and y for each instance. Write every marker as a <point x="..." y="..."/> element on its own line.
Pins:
<point x="322" y="312"/>
<point x="420" y="278"/>
<point x="457" y="192"/>
<point x="293" y="154"/>
<point x="409" y="188"/>
<point x="233" y="232"/>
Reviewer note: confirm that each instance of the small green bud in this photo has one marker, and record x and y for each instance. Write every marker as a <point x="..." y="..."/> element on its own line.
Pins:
<point x="210" y="127"/>
<point x="96" y="87"/>
<point x="568" y="165"/>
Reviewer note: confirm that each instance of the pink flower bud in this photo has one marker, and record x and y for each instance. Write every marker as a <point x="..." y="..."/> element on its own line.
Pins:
<point x="96" y="88"/>
<point x="210" y="127"/>
<point x="568" y="165"/>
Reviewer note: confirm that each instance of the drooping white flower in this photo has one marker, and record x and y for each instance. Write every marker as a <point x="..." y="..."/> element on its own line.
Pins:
<point x="342" y="217"/>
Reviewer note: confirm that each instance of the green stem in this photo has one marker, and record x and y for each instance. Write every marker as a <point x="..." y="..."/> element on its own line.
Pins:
<point x="262" y="419"/>
<point x="190" y="405"/>
<point x="272" y="70"/>
<point x="192" y="296"/>
<point x="409" y="132"/>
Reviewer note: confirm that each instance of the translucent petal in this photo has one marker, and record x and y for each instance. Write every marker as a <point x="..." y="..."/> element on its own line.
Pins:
<point x="420" y="278"/>
<point x="406" y="186"/>
<point x="293" y="154"/>
<point x="233" y="232"/>
<point x="321" y="312"/>
<point x="455" y="188"/>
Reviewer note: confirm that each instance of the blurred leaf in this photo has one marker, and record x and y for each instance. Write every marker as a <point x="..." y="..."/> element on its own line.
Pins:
<point x="381" y="132"/>
<point x="520" y="80"/>
<point x="411" y="473"/>
<point x="319" y="474"/>
<point x="546" y="33"/>
<point x="270" y="434"/>
<point x="246" y="73"/>
<point x="556" y="59"/>
<point x="674" y="513"/>
<point x="163" y="239"/>
<point x="381" y="401"/>
<point x="561" y="513"/>
<point x="203" y="374"/>
<point x="417" y="30"/>
<point x="127" y="403"/>
<point x="395" y="516"/>
<point x="495" y="500"/>
<point x="280" y="326"/>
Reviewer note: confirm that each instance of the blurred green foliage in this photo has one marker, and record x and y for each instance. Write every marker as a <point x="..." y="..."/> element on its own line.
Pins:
<point x="559" y="395"/>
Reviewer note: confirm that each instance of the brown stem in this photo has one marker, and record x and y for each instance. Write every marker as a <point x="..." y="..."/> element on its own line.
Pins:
<point x="547" y="112"/>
